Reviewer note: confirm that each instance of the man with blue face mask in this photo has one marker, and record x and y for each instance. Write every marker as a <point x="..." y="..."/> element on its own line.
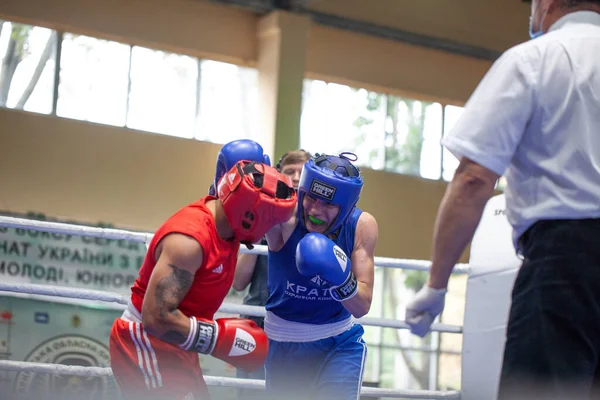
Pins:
<point x="535" y="118"/>
<point x="536" y="20"/>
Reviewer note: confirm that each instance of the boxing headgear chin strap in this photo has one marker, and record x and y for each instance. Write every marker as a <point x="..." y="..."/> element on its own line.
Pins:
<point x="255" y="198"/>
<point x="331" y="179"/>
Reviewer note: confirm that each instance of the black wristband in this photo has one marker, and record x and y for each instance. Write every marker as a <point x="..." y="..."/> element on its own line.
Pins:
<point x="346" y="290"/>
<point x="205" y="338"/>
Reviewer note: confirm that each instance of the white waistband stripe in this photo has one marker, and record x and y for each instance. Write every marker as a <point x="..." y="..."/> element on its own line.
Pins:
<point x="282" y="330"/>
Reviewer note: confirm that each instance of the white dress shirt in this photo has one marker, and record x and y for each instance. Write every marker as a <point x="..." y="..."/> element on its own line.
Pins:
<point x="535" y="118"/>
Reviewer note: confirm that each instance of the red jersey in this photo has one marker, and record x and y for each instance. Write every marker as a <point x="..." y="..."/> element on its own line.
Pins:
<point x="214" y="277"/>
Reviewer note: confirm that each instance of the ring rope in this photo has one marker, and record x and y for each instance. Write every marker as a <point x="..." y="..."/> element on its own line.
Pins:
<point x="227" y="308"/>
<point x="119" y="234"/>
<point x="63" y="291"/>
<point x="75" y="370"/>
<point x="75" y="230"/>
<point x="98" y="295"/>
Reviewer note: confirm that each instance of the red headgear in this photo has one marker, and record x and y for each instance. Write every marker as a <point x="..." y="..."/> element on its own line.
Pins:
<point x="255" y="198"/>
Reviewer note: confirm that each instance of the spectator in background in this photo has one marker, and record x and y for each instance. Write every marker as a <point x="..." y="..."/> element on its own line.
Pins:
<point x="251" y="269"/>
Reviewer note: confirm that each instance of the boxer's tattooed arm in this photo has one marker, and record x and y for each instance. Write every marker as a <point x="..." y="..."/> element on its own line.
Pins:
<point x="170" y="291"/>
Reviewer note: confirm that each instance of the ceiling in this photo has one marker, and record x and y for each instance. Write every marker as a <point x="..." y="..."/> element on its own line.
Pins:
<point x="478" y="28"/>
<point x="492" y="24"/>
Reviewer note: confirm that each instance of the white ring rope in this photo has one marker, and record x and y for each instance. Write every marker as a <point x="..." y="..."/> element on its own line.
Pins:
<point x="75" y="230"/>
<point x="55" y="369"/>
<point x="118" y="234"/>
<point x="227" y="308"/>
<point x="74" y="370"/>
<point x="63" y="291"/>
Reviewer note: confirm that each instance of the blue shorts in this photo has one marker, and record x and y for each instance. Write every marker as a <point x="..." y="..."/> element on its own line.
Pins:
<point x="326" y="369"/>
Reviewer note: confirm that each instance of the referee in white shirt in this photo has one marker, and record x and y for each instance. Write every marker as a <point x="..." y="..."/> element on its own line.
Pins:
<point x="535" y="118"/>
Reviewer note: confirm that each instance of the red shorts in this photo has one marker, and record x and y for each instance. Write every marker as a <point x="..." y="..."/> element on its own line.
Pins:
<point x="148" y="368"/>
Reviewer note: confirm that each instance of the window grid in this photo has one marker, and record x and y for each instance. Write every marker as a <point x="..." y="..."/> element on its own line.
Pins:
<point x="395" y="118"/>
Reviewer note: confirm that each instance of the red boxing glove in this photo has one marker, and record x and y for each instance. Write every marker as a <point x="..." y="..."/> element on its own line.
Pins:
<point x="237" y="341"/>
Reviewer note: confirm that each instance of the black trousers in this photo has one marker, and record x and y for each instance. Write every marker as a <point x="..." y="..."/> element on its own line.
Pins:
<point x="553" y="334"/>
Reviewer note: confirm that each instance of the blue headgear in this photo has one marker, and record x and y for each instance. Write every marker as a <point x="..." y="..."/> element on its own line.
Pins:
<point x="334" y="180"/>
<point x="234" y="152"/>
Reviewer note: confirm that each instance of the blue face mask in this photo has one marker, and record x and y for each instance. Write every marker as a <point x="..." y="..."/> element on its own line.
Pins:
<point x="533" y="34"/>
<point x="540" y="32"/>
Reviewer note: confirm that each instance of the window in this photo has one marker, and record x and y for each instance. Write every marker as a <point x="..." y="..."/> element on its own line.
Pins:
<point x="162" y="98"/>
<point x="93" y="80"/>
<point x="501" y="184"/>
<point x="229" y="105"/>
<point x="337" y="118"/>
<point x="27" y="67"/>
<point x="450" y="163"/>
<point x="117" y="84"/>
<point x="431" y="153"/>
<point x="411" y="138"/>
<point x="386" y="132"/>
<point x="112" y="83"/>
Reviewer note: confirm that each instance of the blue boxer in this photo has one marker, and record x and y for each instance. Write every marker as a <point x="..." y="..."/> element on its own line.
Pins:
<point x="321" y="268"/>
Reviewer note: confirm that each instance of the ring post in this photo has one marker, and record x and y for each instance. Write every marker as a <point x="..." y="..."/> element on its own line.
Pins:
<point x="494" y="266"/>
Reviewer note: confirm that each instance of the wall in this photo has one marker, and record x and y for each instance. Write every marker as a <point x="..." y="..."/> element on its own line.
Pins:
<point x="196" y="28"/>
<point x="91" y="173"/>
<point x="97" y="173"/>
<point x="491" y="24"/>
<point x="393" y="67"/>
<point x="405" y="209"/>
<point x="202" y="29"/>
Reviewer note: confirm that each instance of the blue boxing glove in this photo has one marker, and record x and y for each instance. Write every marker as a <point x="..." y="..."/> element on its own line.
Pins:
<point x="234" y="152"/>
<point x="316" y="254"/>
